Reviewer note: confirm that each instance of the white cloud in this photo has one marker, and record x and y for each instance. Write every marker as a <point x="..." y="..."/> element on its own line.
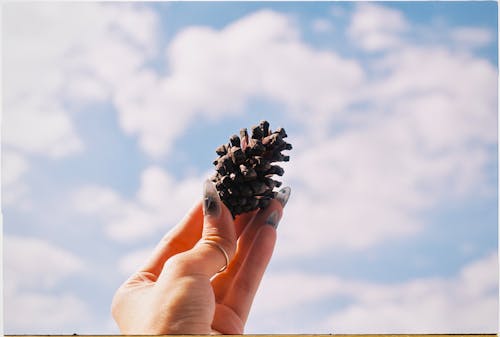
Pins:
<point x="337" y="11"/>
<point x="36" y="126"/>
<point x="33" y="268"/>
<point x="131" y="262"/>
<point x="472" y="37"/>
<point x="123" y="220"/>
<point x="381" y="172"/>
<point x="369" y="185"/>
<point x="448" y="104"/>
<point x="159" y="204"/>
<point x="467" y="303"/>
<point x="464" y="303"/>
<point x="466" y="83"/>
<point x="258" y="55"/>
<point x="57" y="57"/>
<point x="45" y="313"/>
<point x="14" y="165"/>
<point x="117" y="41"/>
<point x="55" y="54"/>
<point x="33" y="118"/>
<point x="53" y="51"/>
<point x="22" y="267"/>
<point x="214" y="73"/>
<point x="375" y="27"/>
<point x="417" y="135"/>
<point x="363" y="189"/>
<point x="322" y="26"/>
<point x="420" y="138"/>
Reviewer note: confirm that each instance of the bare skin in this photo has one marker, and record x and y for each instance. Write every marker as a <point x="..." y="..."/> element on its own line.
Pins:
<point x="179" y="290"/>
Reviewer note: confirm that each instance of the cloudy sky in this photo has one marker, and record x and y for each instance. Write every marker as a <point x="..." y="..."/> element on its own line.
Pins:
<point x="112" y="112"/>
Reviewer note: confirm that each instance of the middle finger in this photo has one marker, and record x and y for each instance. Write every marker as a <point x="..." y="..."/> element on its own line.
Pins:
<point x="222" y="282"/>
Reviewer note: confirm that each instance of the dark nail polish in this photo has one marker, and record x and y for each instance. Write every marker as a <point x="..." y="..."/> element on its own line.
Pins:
<point x="273" y="219"/>
<point x="283" y="195"/>
<point x="211" y="200"/>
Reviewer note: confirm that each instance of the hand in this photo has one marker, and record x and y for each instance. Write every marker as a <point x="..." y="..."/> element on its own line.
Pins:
<point x="180" y="289"/>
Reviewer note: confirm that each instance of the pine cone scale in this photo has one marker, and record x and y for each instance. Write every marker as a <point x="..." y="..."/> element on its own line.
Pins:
<point x="243" y="169"/>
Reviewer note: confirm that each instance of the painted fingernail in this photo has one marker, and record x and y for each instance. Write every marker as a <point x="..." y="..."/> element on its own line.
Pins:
<point x="283" y="195"/>
<point x="273" y="219"/>
<point x="211" y="200"/>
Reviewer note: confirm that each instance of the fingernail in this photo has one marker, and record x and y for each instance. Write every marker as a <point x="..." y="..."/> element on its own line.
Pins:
<point x="211" y="200"/>
<point x="273" y="219"/>
<point x="283" y="195"/>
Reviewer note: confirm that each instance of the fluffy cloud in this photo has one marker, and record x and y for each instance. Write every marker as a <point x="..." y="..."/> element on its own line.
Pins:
<point x="322" y="26"/>
<point x="40" y="127"/>
<point x="259" y="55"/>
<point x="411" y="130"/>
<point x="30" y="301"/>
<point x="419" y="137"/>
<point x="472" y="37"/>
<point x="372" y="183"/>
<point x="436" y="84"/>
<point x="42" y="313"/>
<point x="52" y="49"/>
<point x="346" y="203"/>
<point x="23" y="267"/>
<point x="14" y="166"/>
<point x="382" y="171"/>
<point x="375" y="28"/>
<point x="160" y="203"/>
<point x="215" y="73"/>
<point x="52" y="54"/>
<point x="56" y="58"/>
<point x="131" y="262"/>
<point x="464" y="303"/>
<point x="467" y="303"/>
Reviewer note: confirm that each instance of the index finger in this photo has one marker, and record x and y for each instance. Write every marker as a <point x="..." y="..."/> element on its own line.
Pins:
<point x="179" y="239"/>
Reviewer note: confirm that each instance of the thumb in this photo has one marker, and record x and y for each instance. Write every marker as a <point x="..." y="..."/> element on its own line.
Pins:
<point x="217" y="245"/>
<point x="218" y="240"/>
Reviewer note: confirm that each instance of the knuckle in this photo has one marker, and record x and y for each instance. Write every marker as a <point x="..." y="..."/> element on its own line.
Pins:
<point x="228" y="244"/>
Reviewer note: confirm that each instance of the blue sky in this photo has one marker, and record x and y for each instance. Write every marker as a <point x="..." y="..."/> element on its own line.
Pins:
<point x="111" y="113"/>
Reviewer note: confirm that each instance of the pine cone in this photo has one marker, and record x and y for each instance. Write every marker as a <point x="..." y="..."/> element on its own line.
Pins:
<point x="244" y="170"/>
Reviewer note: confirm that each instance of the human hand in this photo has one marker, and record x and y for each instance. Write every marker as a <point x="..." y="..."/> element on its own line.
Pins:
<point x="180" y="289"/>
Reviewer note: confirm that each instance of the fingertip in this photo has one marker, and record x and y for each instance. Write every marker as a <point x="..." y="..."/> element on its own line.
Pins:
<point x="283" y="195"/>
<point x="211" y="200"/>
<point x="273" y="219"/>
<point x="213" y="206"/>
<point x="271" y="215"/>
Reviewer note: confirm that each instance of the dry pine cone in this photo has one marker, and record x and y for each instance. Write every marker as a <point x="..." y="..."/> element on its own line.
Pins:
<point x="244" y="169"/>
